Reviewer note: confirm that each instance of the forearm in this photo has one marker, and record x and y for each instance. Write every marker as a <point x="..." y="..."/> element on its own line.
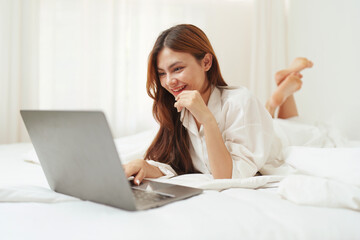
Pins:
<point x="219" y="156"/>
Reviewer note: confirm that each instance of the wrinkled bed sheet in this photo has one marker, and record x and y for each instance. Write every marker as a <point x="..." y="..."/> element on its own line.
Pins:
<point x="319" y="200"/>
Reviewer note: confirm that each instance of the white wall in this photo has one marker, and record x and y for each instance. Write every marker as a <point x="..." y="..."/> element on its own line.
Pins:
<point x="92" y="54"/>
<point x="328" y="32"/>
<point x="230" y="31"/>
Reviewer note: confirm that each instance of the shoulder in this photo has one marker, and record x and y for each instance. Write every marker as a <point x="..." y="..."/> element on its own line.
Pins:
<point x="235" y="95"/>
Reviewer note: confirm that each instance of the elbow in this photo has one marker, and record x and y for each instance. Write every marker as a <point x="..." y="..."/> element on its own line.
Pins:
<point x="224" y="173"/>
<point x="222" y="176"/>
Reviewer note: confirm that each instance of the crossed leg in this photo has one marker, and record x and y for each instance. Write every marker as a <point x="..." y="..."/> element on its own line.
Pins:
<point x="288" y="81"/>
<point x="297" y="65"/>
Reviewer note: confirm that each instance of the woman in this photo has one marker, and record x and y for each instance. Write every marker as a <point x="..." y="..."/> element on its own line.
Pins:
<point x="205" y="126"/>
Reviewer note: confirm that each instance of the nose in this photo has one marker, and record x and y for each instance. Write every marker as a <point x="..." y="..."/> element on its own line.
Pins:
<point x="170" y="80"/>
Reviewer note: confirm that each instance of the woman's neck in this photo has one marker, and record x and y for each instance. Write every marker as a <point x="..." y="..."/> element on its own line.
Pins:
<point x="206" y="95"/>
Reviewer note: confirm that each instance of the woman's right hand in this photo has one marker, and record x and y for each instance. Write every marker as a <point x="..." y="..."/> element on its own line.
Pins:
<point x="141" y="169"/>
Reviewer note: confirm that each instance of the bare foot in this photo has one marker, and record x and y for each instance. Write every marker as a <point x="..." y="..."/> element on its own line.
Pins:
<point x="299" y="64"/>
<point x="287" y="87"/>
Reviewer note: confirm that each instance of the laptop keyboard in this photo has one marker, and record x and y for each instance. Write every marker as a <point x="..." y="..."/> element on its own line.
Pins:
<point x="144" y="197"/>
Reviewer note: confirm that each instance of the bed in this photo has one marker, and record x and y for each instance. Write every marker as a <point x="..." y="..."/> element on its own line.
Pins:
<point x="306" y="205"/>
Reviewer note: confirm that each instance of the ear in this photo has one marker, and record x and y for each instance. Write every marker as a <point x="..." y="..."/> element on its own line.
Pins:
<point x="207" y="61"/>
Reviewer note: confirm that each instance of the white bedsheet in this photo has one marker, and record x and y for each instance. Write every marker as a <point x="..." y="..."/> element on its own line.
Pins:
<point x="319" y="191"/>
<point x="341" y="164"/>
<point x="238" y="212"/>
<point x="232" y="214"/>
<point x="28" y="193"/>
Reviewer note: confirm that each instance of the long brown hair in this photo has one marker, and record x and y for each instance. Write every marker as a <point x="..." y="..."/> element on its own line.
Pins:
<point x="171" y="144"/>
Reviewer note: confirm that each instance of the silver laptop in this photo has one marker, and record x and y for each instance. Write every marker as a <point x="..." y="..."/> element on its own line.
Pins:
<point x="79" y="158"/>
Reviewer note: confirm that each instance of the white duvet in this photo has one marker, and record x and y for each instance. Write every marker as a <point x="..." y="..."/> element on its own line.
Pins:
<point x="342" y="164"/>
<point x="319" y="191"/>
<point x="323" y="153"/>
<point x="333" y="170"/>
<point x="315" y="203"/>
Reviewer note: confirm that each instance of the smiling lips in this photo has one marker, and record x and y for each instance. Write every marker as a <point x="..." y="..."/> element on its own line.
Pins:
<point x="179" y="89"/>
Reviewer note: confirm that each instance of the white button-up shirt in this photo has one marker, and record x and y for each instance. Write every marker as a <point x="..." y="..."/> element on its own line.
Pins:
<point x="246" y="128"/>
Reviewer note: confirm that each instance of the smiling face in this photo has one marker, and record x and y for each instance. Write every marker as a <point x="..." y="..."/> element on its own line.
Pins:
<point x="179" y="71"/>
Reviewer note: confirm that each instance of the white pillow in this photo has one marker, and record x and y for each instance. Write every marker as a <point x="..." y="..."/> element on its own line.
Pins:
<point x="342" y="164"/>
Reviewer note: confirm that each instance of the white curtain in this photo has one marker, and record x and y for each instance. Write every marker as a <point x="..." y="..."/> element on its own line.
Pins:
<point x="269" y="46"/>
<point x="92" y="54"/>
<point x="18" y="64"/>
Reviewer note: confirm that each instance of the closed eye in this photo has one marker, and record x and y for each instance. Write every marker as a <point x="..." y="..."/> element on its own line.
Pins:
<point x="177" y="69"/>
<point x="161" y="74"/>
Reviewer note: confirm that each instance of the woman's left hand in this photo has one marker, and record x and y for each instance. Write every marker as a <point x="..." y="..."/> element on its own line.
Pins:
<point x="192" y="100"/>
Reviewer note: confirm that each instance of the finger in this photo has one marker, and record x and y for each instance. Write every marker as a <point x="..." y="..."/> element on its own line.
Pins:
<point x="178" y="106"/>
<point x="179" y="109"/>
<point x="178" y="97"/>
<point x="181" y="94"/>
<point x="126" y="170"/>
<point x="130" y="169"/>
<point x="139" y="177"/>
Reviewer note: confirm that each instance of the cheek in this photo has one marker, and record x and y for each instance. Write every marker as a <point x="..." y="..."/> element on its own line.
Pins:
<point x="163" y="84"/>
<point x="193" y="75"/>
<point x="185" y="76"/>
<point x="200" y="79"/>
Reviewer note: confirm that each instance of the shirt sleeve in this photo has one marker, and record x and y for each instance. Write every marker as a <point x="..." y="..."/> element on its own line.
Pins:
<point x="166" y="169"/>
<point x="248" y="135"/>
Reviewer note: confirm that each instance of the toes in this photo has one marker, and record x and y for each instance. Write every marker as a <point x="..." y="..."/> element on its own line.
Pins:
<point x="299" y="75"/>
